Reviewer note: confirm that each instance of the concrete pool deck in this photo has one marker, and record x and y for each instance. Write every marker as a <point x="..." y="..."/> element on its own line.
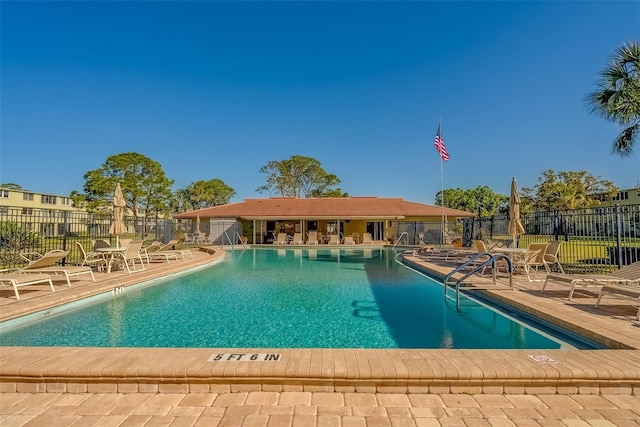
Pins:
<point x="330" y="375"/>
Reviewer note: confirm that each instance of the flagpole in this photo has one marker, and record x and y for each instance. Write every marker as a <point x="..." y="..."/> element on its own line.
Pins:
<point x="442" y="227"/>
<point x="444" y="157"/>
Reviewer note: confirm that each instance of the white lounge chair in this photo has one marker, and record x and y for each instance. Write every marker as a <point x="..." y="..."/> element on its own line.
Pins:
<point x="281" y="240"/>
<point x="348" y="240"/>
<point x="313" y="238"/>
<point x="9" y="277"/>
<point x="297" y="239"/>
<point x="46" y="264"/>
<point x="334" y="239"/>
<point x="628" y="275"/>
<point x="366" y="239"/>
<point x="153" y="251"/>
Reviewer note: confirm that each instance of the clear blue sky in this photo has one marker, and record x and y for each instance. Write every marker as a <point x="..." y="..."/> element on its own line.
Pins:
<point x="218" y="89"/>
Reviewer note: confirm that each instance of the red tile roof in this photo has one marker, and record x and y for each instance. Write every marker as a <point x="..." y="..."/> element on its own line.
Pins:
<point x="324" y="208"/>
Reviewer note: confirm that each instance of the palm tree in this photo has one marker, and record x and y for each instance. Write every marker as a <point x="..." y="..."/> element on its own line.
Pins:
<point x="618" y="96"/>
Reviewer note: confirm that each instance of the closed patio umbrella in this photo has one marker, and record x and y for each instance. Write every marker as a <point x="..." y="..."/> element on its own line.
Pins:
<point x="515" y="225"/>
<point x="117" y="225"/>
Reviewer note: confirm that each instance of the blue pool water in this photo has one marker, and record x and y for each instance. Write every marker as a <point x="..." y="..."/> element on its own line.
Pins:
<point x="286" y="298"/>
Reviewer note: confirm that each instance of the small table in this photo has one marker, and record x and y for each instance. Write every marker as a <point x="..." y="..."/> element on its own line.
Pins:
<point x="513" y="253"/>
<point x="111" y="252"/>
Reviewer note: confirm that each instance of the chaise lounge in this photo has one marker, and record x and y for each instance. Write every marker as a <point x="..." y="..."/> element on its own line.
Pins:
<point x="9" y="277"/>
<point x="628" y="275"/>
<point x="45" y="264"/>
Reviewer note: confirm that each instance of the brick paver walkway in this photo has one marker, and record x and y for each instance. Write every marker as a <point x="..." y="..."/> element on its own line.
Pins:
<point x="316" y="409"/>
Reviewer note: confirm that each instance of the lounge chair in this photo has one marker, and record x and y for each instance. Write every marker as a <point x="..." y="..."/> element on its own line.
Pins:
<point x="348" y="240"/>
<point x="45" y="264"/>
<point x="9" y="277"/>
<point x="366" y="239"/>
<point x="92" y="258"/>
<point x="167" y="249"/>
<point x="334" y="239"/>
<point x="313" y="238"/>
<point x="627" y="291"/>
<point x="131" y="255"/>
<point x="297" y="239"/>
<point x="153" y="251"/>
<point x="628" y="275"/>
<point x="356" y="237"/>
<point x="281" y="240"/>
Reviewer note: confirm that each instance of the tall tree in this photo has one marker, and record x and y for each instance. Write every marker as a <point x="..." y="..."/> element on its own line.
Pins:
<point x="203" y="194"/>
<point x="480" y="200"/>
<point x="567" y="190"/>
<point x="144" y="184"/>
<point x="299" y="176"/>
<point x="618" y="96"/>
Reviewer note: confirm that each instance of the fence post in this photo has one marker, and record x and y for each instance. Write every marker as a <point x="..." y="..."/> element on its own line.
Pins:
<point x="619" y="235"/>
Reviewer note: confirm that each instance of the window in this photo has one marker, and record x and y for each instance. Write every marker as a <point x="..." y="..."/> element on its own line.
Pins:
<point x="50" y="200"/>
<point x="27" y="196"/>
<point x="4" y="210"/>
<point x="65" y="201"/>
<point x="4" y="194"/>
<point x="27" y="211"/>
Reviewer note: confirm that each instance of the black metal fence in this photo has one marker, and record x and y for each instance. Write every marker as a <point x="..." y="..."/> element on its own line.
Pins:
<point x="35" y="230"/>
<point x="594" y="240"/>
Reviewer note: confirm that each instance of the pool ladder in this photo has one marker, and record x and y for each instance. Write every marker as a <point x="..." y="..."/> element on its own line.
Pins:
<point x="404" y="234"/>
<point x="231" y="242"/>
<point x="490" y="261"/>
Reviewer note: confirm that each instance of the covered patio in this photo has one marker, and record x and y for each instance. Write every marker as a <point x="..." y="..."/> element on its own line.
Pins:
<point x="261" y="220"/>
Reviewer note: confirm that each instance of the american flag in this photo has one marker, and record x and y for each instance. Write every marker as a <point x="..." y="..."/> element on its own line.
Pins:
<point x="439" y="144"/>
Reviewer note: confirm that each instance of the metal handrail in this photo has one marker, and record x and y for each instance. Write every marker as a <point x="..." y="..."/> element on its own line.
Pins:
<point x="491" y="260"/>
<point x="404" y="233"/>
<point x="231" y="242"/>
<point x="240" y="238"/>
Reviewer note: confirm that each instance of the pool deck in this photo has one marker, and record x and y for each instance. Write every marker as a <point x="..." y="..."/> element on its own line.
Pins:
<point x="340" y="379"/>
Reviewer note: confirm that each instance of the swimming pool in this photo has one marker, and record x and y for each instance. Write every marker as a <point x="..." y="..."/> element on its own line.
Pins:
<point x="285" y="298"/>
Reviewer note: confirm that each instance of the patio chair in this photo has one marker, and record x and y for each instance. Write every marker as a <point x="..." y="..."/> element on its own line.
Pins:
<point x="281" y="240"/>
<point x="297" y="239"/>
<point x="348" y="240"/>
<point x="9" y="277"/>
<point x="552" y="255"/>
<point x="366" y="239"/>
<point x="132" y="255"/>
<point x="123" y="243"/>
<point x="313" y="238"/>
<point x="189" y="239"/>
<point x="481" y="248"/>
<point x="533" y="259"/>
<point x="334" y="239"/>
<point x="356" y="237"/>
<point x="46" y="264"/>
<point x="99" y="243"/>
<point x="92" y="258"/>
<point x="628" y="275"/>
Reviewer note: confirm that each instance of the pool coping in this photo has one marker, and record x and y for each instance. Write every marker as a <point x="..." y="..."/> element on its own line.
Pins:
<point x="171" y="370"/>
